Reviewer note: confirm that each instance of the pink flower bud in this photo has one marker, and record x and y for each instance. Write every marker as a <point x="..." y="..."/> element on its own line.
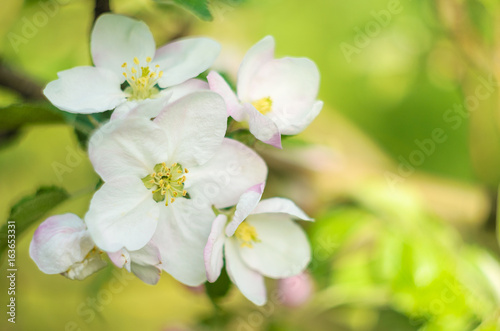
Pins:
<point x="295" y="291"/>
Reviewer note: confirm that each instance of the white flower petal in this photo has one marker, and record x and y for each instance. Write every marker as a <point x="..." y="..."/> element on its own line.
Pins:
<point x="150" y="108"/>
<point x="85" y="90"/>
<point x="255" y="58"/>
<point x="195" y="126"/>
<point x="302" y="121"/>
<point x="262" y="127"/>
<point x="128" y="147"/>
<point x="147" y="108"/>
<point x="283" y="250"/>
<point x="181" y="236"/>
<point x="213" y="253"/>
<point x="222" y="180"/>
<point x="59" y="242"/>
<point x="117" y="39"/>
<point x="185" y="58"/>
<point x="144" y="263"/>
<point x="247" y="203"/>
<point x="122" y="214"/>
<point x="192" y="85"/>
<point x="248" y="281"/>
<point x="280" y="205"/>
<point x="292" y="84"/>
<point x="219" y="85"/>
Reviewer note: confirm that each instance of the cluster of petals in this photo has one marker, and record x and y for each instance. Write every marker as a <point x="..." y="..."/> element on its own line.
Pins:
<point x="274" y="96"/>
<point x="260" y="240"/>
<point x="123" y="51"/>
<point x="169" y="173"/>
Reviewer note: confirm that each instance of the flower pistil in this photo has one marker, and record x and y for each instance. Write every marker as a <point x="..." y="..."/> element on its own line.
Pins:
<point x="167" y="183"/>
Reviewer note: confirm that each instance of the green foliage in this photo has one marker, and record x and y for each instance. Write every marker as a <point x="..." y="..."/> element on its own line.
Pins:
<point x="197" y="7"/>
<point x="203" y="9"/>
<point x="30" y="209"/>
<point x="219" y="288"/>
<point x="15" y="116"/>
<point x="388" y="252"/>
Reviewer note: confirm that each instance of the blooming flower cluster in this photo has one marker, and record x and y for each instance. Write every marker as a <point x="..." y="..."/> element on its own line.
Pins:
<point x="177" y="194"/>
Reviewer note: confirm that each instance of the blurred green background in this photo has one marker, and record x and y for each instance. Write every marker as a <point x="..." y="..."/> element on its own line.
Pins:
<point x="404" y="237"/>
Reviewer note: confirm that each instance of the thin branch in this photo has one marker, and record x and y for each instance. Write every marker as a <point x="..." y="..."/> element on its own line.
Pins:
<point x="19" y="83"/>
<point x="101" y="7"/>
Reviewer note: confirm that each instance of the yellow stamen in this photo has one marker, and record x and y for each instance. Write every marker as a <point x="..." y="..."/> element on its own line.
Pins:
<point x="263" y="105"/>
<point x="246" y="234"/>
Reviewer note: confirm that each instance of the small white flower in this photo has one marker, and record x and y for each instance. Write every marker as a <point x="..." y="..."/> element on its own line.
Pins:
<point x="260" y="240"/>
<point x="62" y="245"/>
<point x="123" y="50"/>
<point x="275" y="96"/>
<point x="162" y="177"/>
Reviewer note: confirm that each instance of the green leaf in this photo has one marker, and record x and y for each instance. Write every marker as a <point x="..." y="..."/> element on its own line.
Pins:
<point x="498" y="216"/>
<point x="219" y="288"/>
<point x="30" y="209"/>
<point x="15" y="116"/>
<point x="197" y="7"/>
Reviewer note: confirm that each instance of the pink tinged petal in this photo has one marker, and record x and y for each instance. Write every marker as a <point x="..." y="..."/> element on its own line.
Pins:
<point x="292" y="84"/>
<point x="254" y="59"/>
<point x="179" y="91"/>
<point x="85" y="90"/>
<point x="247" y="203"/>
<point x="122" y="214"/>
<point x="181" y="236"/>
<point x="117" y="39"/>
<point x="213" y="253"/>
<point x="147" y="108"/>
<point x="283" y="249"/>
<point x="262" y="127"/>
<point x="185" y="58"/>
<point x="128" y="147"/>
<point x="219" y="85"/>
<point x="222" y="180"/>
<point x="195" y="126"/>
<point x="63" y="245"/>
<point x="120" y="258"/>
<point x="295" y="291"/>
<point x="249" y="282"/>
<point x="59" y="242"/>
<point x="281" y="205"/>
<point x="145" y="262"/>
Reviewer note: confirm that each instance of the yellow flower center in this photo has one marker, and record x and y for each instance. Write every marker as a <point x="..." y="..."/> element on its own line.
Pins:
<point x="247" y="235"/>
<point x="263" y="105"/>
<point x="141" y="79"/>
<point x="166" y="183"/>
